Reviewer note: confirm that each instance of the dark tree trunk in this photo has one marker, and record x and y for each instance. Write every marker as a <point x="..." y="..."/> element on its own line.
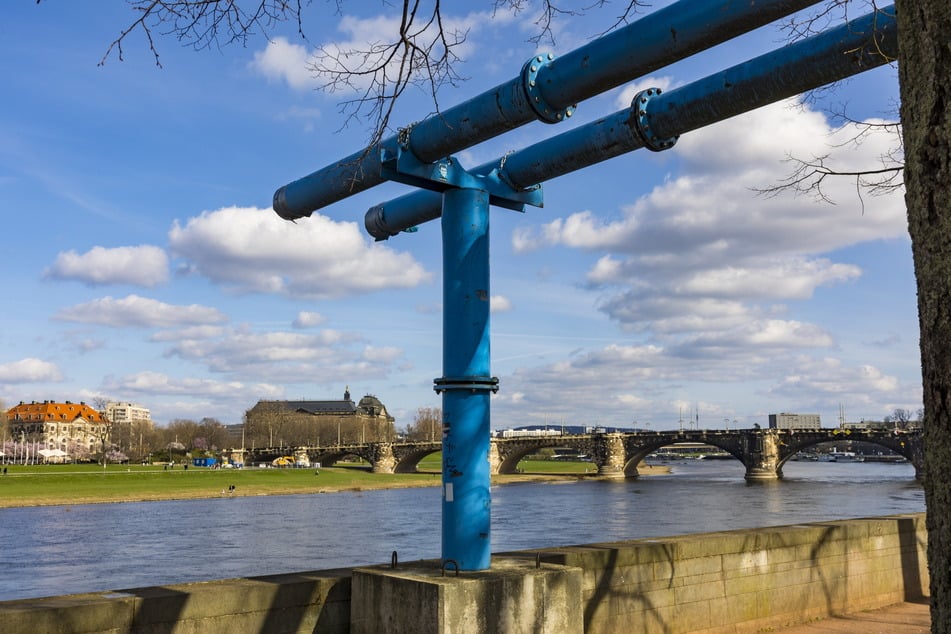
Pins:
<point x="925" y="77"/>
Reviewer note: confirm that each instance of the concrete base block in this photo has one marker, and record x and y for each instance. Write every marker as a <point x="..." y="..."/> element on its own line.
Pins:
<point x="513" y="597"/>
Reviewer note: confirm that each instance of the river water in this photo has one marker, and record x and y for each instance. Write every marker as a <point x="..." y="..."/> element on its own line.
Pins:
<point x="47" y="551"/>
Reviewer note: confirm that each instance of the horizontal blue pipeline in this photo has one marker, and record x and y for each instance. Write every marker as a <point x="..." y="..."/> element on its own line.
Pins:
<point x="547" y="89"/>
<point x="857" y="46"/>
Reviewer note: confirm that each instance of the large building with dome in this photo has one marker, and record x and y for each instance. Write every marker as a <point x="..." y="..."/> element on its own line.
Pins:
<point x="318" y="422"/>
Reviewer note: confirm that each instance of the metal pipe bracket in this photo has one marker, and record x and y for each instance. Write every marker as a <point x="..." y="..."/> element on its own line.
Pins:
<point x="473" y="383"/>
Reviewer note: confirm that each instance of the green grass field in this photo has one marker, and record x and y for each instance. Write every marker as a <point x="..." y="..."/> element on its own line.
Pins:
<point x="80" y="484"/>
<point x="68" y="484"/>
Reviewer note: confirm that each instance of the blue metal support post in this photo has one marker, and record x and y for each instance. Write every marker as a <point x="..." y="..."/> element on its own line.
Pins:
<point x="466" y="383"/>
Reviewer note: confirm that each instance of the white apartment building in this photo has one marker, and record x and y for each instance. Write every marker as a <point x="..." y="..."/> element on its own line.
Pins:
<point x="794" y="421"/>
<point x="120" y="413"/>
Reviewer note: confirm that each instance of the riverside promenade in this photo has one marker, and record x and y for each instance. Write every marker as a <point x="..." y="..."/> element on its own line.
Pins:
<point x="901" y="618"/>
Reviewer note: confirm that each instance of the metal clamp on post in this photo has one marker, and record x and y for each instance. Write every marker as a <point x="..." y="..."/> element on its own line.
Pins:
<point x="543" y="110"/>
<point x="473" y="383"/>
<point x="641" y="119"/>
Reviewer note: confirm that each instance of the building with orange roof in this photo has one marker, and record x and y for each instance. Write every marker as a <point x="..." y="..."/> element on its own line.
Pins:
<point x="74" y="428"/>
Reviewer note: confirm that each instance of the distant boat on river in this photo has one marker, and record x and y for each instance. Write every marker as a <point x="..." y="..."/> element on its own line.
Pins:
<point x="841" y="456"/>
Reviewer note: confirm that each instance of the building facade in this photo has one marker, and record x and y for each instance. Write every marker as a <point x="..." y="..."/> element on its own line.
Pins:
<point x="120" y="413"/>
<point x="73" y="428"/>
<point x="794" y="421"/>
<point x="318" y="422"/>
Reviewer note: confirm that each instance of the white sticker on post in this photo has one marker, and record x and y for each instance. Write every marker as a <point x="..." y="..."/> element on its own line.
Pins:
<point x="449" y="491"/>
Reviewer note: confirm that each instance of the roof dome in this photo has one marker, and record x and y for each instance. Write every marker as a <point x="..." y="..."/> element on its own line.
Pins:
<point x="370" y="403"/>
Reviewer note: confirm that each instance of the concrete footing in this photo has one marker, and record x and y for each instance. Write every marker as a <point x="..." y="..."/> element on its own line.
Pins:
<point x="514" y="596"/>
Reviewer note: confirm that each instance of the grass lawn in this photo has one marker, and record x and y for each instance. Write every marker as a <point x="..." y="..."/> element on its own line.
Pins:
<point x="78" y="484"/>
<point x="34" y="485"/>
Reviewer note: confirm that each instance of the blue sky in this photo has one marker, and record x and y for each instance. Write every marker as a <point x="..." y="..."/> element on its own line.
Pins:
<point x="143" y="262"/>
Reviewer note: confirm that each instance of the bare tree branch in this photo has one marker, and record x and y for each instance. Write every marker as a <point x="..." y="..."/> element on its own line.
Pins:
<point x="423" y="55"/>
<point x="204" y="23"/>
<point x="809" y="176"/>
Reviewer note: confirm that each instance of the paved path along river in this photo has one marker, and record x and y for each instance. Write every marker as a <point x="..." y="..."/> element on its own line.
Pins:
<point x="47" y="551"/>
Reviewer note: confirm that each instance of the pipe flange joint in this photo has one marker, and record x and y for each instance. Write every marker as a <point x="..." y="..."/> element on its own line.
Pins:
<point x="543" y="110"/>
<point x="642" y="123"/>
<point x="471" y="383"/>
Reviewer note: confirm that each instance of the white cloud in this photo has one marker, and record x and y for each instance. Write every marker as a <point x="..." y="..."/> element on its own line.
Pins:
<point x="246" y="349"/>
<point x="628" y="92"/>
<point x="829" y="381"/>
<point x="710" y="212"/>
<point x="156" y="383"/>
<point x="756" y="337"/>
<point x="702" y="251"/>
<point x="365" y="46"/>
<point x="29" y="370"/>
<point x="143" y="265"/>
<point x="138" y="311"/>
<point x="499" y="304"/>
<point x="252" y="250"/>
<point x="360" y="49"/>
<point x="307" y="319"/>
<point x="282" y="60"/>
<point x="282" y="357"/>
<point x="790" y="278"/>
<point x="382" y="354"/>
<point x="650" y="383"/>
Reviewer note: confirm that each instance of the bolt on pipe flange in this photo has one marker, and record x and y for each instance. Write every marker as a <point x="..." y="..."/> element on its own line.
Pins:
<point x="543" y="110"/>
<point x="641" y="120"/>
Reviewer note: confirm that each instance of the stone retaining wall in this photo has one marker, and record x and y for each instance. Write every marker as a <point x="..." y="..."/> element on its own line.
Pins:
<point x="714" y="583"/>
<point x="749" y="580"/>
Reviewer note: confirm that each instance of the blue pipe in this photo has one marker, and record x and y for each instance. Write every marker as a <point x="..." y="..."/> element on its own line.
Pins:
<point x="830" y="56"/>
<point x="466" y="384"/>
<point x="547" y="89"/>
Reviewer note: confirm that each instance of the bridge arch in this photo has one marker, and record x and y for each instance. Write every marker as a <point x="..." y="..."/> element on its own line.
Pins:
<point x="408" y="458"/>
<point x="906" y="445"/>
<point x="638" y="447"/>
<point x="511" y="451"/>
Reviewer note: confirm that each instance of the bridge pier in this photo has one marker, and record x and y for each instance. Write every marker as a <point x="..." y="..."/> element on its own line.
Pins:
<point x="761" y="450"/>
<point x="495" y="458"/>
<point x="609" y="455"/>
<point x="382" y="459"/>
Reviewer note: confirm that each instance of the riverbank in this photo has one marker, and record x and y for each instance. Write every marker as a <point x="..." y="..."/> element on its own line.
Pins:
<point x="65" y="485"/>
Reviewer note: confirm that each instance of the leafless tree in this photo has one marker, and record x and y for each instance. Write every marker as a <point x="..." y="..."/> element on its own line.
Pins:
<point x="901" y="418"/>
<point x="426" y="425"/>
<point x="421" y="53"/>
<point x="809" y="175"/>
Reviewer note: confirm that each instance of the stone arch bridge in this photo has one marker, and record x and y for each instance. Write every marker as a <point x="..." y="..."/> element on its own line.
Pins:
<point x="763" y="452"/>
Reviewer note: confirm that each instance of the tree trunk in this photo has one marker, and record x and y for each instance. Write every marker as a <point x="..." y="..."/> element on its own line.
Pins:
<point x="925" y="78"/>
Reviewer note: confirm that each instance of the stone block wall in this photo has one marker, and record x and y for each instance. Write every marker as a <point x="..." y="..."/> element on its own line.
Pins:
<point x="749" y="580"/>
